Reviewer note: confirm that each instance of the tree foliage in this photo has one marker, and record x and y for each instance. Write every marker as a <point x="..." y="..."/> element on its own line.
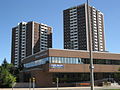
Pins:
<point x="6" y="75"/>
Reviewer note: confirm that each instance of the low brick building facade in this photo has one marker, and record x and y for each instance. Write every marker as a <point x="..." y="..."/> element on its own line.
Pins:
<point x="70" y="66"/>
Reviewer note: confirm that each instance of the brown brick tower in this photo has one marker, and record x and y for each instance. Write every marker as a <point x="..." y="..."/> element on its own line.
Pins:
<point x="28" y="39"/>
<point x="76" y="31"/>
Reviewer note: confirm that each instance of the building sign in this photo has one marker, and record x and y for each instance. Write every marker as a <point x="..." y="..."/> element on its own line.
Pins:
<point x="56" y="66"/>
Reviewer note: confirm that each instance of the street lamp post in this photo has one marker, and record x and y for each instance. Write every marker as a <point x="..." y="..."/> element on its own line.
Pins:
<point x="90" y="49"/>
<point x="30" y="84"/>
<point x="33" y="83"/>
<point x="57" y="79"/>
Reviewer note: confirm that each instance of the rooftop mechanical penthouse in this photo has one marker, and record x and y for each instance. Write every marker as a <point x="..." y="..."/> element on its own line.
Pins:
<point x="70" y="66"/>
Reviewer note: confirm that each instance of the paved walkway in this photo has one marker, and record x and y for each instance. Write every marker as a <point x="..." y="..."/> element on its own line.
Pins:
<point x="62" y="88"/>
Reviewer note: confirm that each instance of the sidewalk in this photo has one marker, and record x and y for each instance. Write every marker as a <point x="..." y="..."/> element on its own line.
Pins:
<point x="60" y="88"/>
<point x="63" y="88"/>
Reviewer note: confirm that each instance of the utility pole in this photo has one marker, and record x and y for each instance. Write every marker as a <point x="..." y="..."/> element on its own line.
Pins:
<point x="90" y="49"/>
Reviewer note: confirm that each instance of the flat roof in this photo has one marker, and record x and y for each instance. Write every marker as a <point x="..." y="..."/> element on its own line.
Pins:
<point x="71" y="53"/>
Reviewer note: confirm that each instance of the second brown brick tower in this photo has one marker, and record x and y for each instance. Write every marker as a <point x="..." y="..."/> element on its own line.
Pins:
<point x="76" y="28"/>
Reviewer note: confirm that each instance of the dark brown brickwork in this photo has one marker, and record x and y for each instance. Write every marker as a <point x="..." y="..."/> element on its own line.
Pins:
<point x="83" y="54"/>
<point x="36" y="37"/>
<point x="37" y="56"/>
<point x="76" y="28"/>
<point x="29" y="39"/>
<point x="13" y="45"/>
<point x="66" y="33"/>
<point x="85" y="68"/>
<point x="81" y="19"/>
<point x="49" y="37"/>
<point x="45" y="75"/>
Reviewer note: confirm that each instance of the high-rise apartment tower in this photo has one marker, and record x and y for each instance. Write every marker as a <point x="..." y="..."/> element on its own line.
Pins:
<point x="76" y="28"/>
<point x="29" y="38"/>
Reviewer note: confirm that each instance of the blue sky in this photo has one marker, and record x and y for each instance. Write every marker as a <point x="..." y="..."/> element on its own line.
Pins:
<point x="50" y="12"/>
